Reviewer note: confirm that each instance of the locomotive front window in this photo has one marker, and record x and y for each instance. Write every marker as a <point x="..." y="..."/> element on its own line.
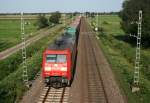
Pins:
<point x="51" y="58"/>
<point x="56" y="58"/>
<point x="61" y="58"/>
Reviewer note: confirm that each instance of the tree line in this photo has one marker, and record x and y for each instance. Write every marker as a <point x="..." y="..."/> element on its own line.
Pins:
<point x="44" y="21"/>
<point x="129" y="15"/>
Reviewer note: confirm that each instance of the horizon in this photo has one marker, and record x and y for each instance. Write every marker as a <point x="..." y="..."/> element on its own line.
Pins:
<point x="57" y="11"/>
<point x="46" y="6"/>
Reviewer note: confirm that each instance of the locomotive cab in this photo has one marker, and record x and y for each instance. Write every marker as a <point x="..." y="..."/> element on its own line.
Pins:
<point x="56" y="67"/>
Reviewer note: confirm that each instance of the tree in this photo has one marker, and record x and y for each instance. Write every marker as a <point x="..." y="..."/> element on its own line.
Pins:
<point x="93" y="14"/>
<point x="42" y="21"/>
<point x="87" y="14"/>
<point x="130" y="14"/>
<point x="55" y="17"/>
<point x="75" y="13"/>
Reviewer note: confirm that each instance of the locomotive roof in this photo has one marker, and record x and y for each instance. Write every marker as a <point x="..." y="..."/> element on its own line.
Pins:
<point x="66" y="40"/>
<point x="63" y="42"/>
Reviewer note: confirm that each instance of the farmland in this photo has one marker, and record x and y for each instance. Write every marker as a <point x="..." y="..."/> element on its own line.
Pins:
<point x="120" y="53"/>
<point x="10" y="34"/>
<point x="10" y="31"/>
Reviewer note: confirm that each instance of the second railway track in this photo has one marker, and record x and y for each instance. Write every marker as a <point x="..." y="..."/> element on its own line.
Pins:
<point x="95" y="87"/>
<point x="52" y="95"/>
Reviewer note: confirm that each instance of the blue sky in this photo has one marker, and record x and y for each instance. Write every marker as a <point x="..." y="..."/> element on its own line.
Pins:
<point x="10" y="6"/>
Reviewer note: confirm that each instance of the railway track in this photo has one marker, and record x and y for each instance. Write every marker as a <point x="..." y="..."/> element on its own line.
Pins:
<point x="52" y="95"/>
<point x="95" y="87"/>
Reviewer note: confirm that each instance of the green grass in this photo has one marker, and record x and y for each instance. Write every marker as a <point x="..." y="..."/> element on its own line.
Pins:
<point x="110" y="23"/>
<point x="121" y="55"/>
<point x="10" y="32"/>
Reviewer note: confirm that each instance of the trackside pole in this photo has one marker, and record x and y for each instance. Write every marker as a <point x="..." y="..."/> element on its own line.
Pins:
<point x="135" y="87"/>
<point x="97" y="26"/>
<point x="24" y="61"/>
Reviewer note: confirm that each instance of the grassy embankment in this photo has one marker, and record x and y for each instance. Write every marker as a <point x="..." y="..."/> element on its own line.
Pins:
<point x="120" y="52"/>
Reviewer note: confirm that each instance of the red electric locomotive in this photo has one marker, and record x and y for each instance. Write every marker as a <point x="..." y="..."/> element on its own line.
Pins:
<point x="59" y="57"/>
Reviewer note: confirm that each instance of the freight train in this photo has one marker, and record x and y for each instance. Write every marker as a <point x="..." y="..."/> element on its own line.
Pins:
<point x="59" y="58"/>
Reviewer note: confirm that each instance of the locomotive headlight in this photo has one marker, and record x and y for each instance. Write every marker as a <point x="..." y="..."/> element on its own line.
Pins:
<point x="64" y="69"/>
<point x="48" y="68"/>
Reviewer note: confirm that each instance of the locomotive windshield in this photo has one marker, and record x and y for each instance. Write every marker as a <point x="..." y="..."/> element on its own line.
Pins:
<point x="55" y="58"/>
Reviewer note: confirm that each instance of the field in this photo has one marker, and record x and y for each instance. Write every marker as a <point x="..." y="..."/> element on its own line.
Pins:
<point x="120" y="52"/>
<point x="10" y="31"/>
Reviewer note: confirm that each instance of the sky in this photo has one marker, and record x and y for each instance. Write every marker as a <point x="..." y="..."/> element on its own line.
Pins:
<point x="13" y="6"/>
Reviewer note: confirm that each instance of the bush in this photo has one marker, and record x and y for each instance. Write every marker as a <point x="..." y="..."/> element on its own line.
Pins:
<point x="55" y="17"/>
<point x="101" y="29"/>
<point x="12" y="87"/>
<point x="129" y="14"/>
<point x="105" y="22"/>
<point x="42" y="22"/>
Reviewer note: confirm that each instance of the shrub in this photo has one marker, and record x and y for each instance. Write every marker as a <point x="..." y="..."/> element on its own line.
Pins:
<point x="55" y="17"/>
<point x="105" y="23"/>
<point x="42" y="22"/>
